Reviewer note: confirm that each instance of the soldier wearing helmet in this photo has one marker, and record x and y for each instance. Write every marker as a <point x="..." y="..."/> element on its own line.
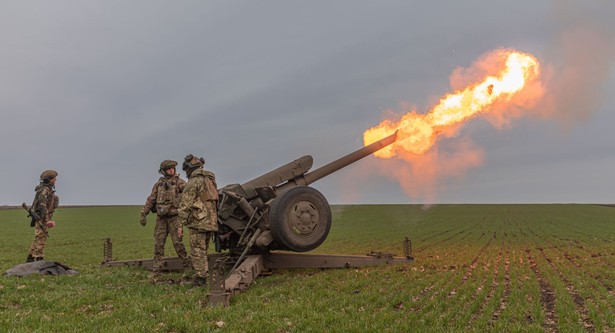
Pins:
<point x="198" y="212"/>
<point x="44" y="204"/>
<point x="164" y="201"/>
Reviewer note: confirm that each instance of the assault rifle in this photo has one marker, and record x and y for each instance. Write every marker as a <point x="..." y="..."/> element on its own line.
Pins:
<point x="35" y="218"/>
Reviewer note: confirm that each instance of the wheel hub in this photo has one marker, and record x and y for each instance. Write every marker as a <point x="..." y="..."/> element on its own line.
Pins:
<point x="304" y="218"/>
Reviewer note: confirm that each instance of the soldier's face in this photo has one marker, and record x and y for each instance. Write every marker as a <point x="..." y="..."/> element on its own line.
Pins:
<point x="170" y="171"/>
<point x="52" y="181"/>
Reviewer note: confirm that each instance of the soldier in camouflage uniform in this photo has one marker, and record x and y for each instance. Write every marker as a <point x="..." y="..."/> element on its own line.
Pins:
<point x="198" y="212"/>
<point x="164" y="201"/>
<point x="44" y="204"/>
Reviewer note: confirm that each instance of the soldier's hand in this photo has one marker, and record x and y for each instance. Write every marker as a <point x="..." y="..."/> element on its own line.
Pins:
<point x="143" y="220"/>
<point x="50" y="224"/>
<point x="180" y="231"/>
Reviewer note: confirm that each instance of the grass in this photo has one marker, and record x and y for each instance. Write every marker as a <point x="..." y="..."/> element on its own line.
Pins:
<point x="477" y="268"/>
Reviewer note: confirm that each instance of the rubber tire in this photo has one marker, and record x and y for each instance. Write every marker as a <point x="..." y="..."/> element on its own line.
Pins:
<point x="280" y="221"/>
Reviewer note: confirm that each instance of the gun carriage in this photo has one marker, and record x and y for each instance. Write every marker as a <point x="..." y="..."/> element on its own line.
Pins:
<point x="275" y="211"/>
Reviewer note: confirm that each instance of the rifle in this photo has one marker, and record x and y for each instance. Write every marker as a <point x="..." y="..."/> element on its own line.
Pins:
<point x="35" y="218"/>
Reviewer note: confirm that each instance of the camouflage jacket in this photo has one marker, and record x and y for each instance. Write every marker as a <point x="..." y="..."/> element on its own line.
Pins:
<point x="164" y="198"/>
<point x="45" y="201"/>
<point x="198" y="204"/>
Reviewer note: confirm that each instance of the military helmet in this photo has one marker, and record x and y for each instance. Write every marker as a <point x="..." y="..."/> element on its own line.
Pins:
<point x="192" y="162"/>
<point x="48" y="175"/>
<point x="167" y="164"/>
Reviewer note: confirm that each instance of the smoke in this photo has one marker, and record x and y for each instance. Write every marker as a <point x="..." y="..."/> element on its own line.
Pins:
<point x="422" y="176"/>
<point x="580" y="60"/>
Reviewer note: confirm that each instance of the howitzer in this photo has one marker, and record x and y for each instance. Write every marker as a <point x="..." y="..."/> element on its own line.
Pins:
<point x="34" y="216"/>
<point x="278" y="210"/>
<point x="275" y="211"/>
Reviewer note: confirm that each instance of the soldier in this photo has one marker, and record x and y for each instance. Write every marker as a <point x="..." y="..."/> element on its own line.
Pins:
<point x="164" y="201"/>
<point x="44" y="204"/>
<point x="197" y="211"/>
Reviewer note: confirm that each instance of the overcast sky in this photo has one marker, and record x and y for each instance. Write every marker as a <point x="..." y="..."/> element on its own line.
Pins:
<point x="103" y="91"/>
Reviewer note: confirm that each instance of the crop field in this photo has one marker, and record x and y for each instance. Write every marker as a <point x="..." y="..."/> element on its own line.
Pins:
<point x="477" y="268"/>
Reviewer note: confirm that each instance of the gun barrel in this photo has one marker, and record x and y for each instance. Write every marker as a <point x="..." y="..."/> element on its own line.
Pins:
<point x="342" y="162"/>
<point x="282" y="174"/>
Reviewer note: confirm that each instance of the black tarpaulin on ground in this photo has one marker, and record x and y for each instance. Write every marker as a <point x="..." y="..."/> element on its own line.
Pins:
<point x="41" y="267"/>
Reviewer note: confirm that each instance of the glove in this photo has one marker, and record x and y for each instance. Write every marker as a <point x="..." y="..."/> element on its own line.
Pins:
<point x="50" y="224"/>
<point x="143" y="220"/>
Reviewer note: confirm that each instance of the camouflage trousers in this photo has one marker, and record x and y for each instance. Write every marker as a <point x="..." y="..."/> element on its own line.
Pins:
<point x="199" y="244"/>
<point x="37" y="249"/>
<point x="168" y="226"/>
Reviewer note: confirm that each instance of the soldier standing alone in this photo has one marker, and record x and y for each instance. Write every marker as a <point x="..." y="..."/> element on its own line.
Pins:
<point x="164" y="201"/>
<point x="44" y="204"/>
<point x="197" y="211"/>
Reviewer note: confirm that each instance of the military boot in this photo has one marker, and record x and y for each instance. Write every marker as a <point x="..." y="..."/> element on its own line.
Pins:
<point x="39" y="258"/>
<point x="30" y="258"/>
<point x="199" y="282"/>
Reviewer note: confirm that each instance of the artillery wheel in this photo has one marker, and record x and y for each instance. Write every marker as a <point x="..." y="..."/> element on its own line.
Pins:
<point x="300" y="219"/>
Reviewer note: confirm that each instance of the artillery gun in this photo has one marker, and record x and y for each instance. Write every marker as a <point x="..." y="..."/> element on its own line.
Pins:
<point x="275" y="211"/>
<point x="279" y="210"/>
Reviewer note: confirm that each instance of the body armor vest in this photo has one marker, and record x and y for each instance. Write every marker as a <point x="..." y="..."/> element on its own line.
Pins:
<point x="167" y="200"/>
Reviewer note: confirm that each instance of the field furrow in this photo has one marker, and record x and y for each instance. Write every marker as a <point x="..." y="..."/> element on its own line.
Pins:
<point x="579" y="300"/>
<point x="490" y="294"/>
<point x="507" y="288"/>
<point x="547" y="296"/>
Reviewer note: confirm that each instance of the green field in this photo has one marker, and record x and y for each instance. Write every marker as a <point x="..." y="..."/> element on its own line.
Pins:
<point x="477" y="268"/>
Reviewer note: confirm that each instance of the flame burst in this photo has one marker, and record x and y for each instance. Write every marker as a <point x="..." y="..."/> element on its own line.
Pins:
<point x="417" y="133"/>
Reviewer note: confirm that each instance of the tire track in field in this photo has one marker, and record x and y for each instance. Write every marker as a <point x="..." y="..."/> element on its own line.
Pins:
<point x="579" y="301"/>
<point x="547" y="296"/>
<point x="492" y="287"/>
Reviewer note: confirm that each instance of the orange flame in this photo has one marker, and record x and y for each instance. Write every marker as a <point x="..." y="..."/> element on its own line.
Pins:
<point x="417" y="133"/>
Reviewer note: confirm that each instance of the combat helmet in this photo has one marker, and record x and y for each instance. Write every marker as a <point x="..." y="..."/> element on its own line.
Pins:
<point x="192" y="162"/>
<point x="166" y="164"/>
<point x="48" y="175"/>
